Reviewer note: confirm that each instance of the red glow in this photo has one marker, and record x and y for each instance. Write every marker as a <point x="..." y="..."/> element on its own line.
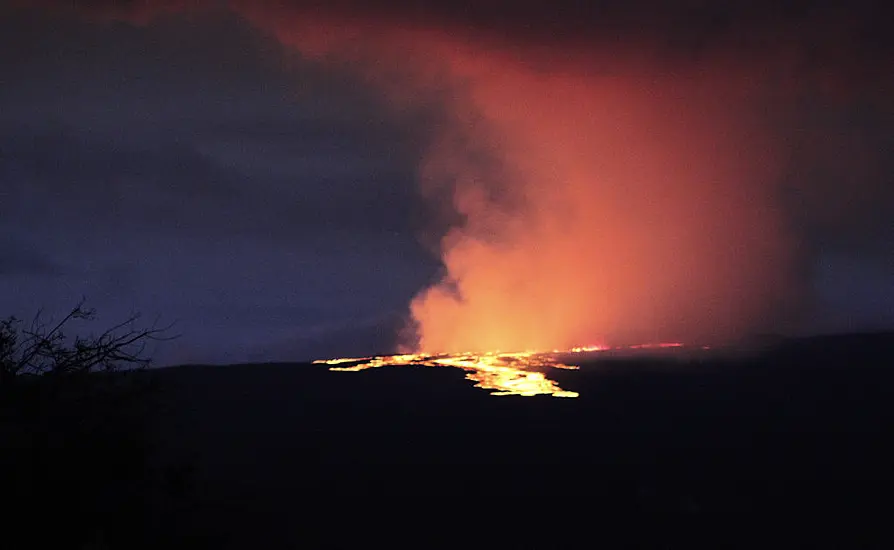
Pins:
<point x="621" y="204"/>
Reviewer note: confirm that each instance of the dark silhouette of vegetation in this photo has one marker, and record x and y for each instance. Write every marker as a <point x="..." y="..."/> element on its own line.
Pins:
<point x="655" y="449"/>
<point x="77" y="463"/>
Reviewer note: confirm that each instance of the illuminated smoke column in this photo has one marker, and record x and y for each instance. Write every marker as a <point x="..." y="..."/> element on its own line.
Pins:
<point x="623" y="204"/>
<point x="627" y="208"/>
<point x="616" y="185"/>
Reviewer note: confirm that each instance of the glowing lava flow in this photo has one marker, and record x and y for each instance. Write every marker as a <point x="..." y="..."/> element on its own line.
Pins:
<point x="517" y="373"/>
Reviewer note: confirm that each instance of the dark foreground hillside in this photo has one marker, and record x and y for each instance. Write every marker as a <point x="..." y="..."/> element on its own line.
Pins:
<point x="788" y="447"/>
<point x="798" y="434"/>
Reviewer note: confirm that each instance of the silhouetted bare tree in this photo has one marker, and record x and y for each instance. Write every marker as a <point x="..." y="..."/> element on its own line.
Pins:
<point x="76" y="453"/>
<point x="41" y="348"/>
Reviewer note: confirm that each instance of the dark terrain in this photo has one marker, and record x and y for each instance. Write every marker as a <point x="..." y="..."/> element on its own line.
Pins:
<point x="786" y="447"/>
<point x="797" y="433"/>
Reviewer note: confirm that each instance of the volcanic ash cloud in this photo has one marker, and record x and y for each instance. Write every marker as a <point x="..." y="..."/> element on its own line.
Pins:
<point x="610" y="180"/>
<point x="606" y="209"/>
<point x="600" y="198"/>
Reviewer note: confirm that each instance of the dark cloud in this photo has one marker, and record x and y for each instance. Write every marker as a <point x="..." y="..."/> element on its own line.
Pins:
<point x="277" y="184"/>
<point x="17" y="258"/>
<point x="683" y="26"/>
<point x="208" y="130"/>
<point x="189" y="170"/>
<point x="837" y="43"/>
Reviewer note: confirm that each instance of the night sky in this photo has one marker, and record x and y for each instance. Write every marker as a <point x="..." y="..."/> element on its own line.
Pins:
<point x="198" y="165"/>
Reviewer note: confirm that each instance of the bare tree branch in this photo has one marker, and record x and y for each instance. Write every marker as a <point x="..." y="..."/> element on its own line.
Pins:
<point x="42" y="349"/>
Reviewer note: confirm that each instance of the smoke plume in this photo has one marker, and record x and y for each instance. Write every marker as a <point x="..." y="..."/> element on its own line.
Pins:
<point x="613" y="174"/>
<point x="618" y="204"/>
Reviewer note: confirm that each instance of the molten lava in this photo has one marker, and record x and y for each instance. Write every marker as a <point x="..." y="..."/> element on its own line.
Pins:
<point x="516" y="373"/>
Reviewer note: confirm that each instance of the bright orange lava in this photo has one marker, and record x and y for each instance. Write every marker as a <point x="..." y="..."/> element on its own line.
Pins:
<point x="512" y="373"/>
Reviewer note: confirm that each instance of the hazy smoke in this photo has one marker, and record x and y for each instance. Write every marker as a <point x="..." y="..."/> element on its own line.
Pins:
<point x="622" y="183"/>
<point x="625" y="203"/>
<point x="646" y="212"/>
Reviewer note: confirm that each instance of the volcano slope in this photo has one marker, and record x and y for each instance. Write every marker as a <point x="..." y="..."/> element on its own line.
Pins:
<point x="797" y="429"/>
